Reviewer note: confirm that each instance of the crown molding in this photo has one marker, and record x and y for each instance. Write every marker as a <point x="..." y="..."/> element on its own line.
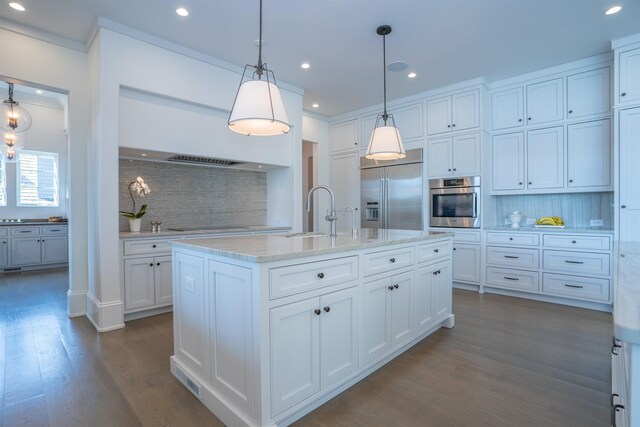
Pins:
<point x="41" y="35"/>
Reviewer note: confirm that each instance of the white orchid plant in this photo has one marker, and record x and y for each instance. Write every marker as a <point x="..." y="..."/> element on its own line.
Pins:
<point x="141" y="189"/>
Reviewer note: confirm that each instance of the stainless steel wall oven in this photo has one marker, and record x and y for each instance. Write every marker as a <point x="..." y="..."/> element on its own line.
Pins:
<point x="455" y="202"/>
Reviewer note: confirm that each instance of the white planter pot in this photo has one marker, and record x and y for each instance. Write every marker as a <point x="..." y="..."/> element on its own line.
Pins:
<point x="134" y="224"/>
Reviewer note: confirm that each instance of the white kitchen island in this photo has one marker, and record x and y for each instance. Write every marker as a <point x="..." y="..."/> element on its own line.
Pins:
<point x="269" y="327"/>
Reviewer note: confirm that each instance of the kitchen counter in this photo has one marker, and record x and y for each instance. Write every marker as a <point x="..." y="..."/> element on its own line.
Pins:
<point x="626" y="312"/>
<point x="531" y="229"/>
<point x="32" y="223"/>
<point x="275" y="247"/>
<point x="225" y="230"/>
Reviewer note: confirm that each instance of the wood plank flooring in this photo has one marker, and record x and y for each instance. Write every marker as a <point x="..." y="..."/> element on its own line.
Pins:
<point x="507" y="362"/>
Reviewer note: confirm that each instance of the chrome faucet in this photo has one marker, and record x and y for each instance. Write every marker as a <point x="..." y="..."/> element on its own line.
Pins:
<point x="331" y="217"/>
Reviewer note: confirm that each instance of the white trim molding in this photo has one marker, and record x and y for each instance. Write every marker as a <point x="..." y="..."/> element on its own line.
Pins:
<point x="105" y="316"/>
<point x="76" y="303"/>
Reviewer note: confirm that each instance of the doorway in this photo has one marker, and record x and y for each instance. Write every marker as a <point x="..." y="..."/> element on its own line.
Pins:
<point x="309" y="180"/>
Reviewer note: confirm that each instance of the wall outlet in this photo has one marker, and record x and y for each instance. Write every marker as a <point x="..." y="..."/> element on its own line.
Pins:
<point x="596" y="223"/>
<point x="531" y="221"/>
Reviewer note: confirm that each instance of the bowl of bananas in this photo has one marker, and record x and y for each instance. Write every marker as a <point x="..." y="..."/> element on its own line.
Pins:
<point x="549" y="222"/>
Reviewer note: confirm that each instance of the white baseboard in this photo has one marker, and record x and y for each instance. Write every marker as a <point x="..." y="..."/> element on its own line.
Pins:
<point x="105" y="316"/>
<point x="76" y="303"/>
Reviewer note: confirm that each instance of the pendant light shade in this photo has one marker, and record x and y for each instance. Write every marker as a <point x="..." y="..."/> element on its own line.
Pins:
<point x="385" y="142"/>
<point x="14" y="117"/>
<point x="258" y="108"/>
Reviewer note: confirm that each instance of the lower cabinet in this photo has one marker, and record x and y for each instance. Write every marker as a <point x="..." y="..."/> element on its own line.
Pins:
<point x="432" y="299"/>
<point x="4" y="253"/>
<point x="386" y="314"/>
<point x="25" y="251"/>
<point x="466" y="263"/>
<point x="313" y="345"/>
<point x="54" y="249"/>
<point x="35" y="250"/>
<point x="147" y="282"/>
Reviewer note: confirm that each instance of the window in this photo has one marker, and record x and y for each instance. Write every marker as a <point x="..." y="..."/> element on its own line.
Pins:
<point x="37" y="179"/>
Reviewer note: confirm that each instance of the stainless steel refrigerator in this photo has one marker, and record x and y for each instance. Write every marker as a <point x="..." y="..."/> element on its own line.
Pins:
<point x="391" y="192"/>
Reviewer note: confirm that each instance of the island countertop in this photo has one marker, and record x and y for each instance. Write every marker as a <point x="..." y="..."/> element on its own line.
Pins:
<point x="276" y="247"/>
<point x="626" y="303"/>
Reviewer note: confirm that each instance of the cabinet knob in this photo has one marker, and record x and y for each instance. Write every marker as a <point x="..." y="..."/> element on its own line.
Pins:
<point x="455" y="169"/>
<point x="570" y="111"/>
<point x="570" y="180"/>
<point x="327" y="309"/>
<point x="614" y="410"/>
<point x="392" y="260"/>
<point x="436" y="250"/>
<point x="454" y="249"/>
<point x="510" y="238"/>
<point x="435" y="273"/>
<point x="449" y="170"/>
<point x="623" y="94"/>
<point x="448" y="126"/>
<point x="573" y="241"/>
<point x="321" y="275"/>
<point x="530" y="182"/>
<point x="454" y="125"/>
<point x="520" y="183"/>
<point x="390" y="288"/>
<point x="623" y="206"/>
<point x="153" y="246"/>
<point x="317" y="311"/>
<point x="150" y="264"/>
<point x="355" y="143"/>
<point x="519" y="120"/>
<point x="158" y="264"/>
<point x="528" y="118"/>
<point x="396" y="286"/>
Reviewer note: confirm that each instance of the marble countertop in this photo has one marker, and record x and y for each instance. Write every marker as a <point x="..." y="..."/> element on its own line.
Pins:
<point x="531" y="229"/>
<point x="226" y="230"/>
<point x="626" y="298"/>
<point x="276" y="247"/>
<point x="31" y="223"/>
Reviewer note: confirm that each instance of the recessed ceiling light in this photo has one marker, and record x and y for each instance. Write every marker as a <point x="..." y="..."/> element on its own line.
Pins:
<point x="315" y="105"/>
<point x="17" y="6"/>
<point x="613" y="9"/>
<point x="144" y="154"/>
<point x="182" y="11"/>
<point x="39" y="92"/>
<point x="260" y="166"/>
<point x="305" y="65"/>
<point x="412" y="75"/>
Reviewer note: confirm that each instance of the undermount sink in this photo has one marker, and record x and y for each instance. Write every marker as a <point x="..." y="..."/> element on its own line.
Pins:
<point x="308" y="234"/>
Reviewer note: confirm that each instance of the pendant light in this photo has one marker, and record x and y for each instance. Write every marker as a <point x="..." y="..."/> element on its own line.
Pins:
<point x="14" y="117"/>
<point x="13" y="143"/>
<point x="385" y="142"/>
<point x="258" y="108"/>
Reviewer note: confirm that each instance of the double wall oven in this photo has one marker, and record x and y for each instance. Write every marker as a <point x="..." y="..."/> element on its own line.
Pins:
<point x="455" y="202"/>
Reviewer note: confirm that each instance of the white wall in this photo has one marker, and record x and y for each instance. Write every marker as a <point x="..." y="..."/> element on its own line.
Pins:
<point x="316" y="130"/>
<point x="29" y="60"/>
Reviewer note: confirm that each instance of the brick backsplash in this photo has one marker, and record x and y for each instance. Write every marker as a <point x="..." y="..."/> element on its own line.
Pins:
<point x="194" y="196"/>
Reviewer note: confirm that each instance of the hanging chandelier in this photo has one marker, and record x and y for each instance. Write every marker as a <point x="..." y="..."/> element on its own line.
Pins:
<point x="258" y="108"/>
<point x="385" y="142"/>
<point x="14" y="117"/>
<point x="12" y="145"/>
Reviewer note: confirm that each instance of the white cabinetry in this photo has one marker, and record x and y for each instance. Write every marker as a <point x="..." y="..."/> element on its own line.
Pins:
<point x="466" y="263"/>
<point x="409" y="119"/>
<point x="545" y="158"/>
<point x="507" y="162"/>
<point x="507" y="108"/>
<point x="345" y="136"/>
<point x="33" y="246"/>
<point x="589" y="93"/>
<point x="454" y="156"/>
<point x="589" y="153"/>
<point x="4" y="249"/>
<point x="544" y="102"/>
<point x="629" y="134"/>
<point x="147" y="280"/>
<point x="456" y="112"/>
<point x="628" y="62"/>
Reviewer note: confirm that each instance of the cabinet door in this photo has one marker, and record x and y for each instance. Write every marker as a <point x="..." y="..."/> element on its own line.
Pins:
<point x="466" y="263"/>
<point x="629" y="174"/>
<point x="4" y="253"/>
<point x="338" y="335"/>
<point x="589" y="154"/>
<point x="345" y="182"/>
<point x="466" y="110"/>
<point x="439" y="115"/>
<point x="25" y="251"/>
<point x="588" y="93"/>
<point x="441" y="292"/>
<point x="375" y="314"/>
<point x="545" y="158"/>
<point x="295" y="365"/>
<point x="439" y="157"/>
<point x="544" y="102"/>
<point x="629" y="76"/>
<point x="163" y="280"/>
<point x="54" y="249"/>
<point x="344" y="136"/>
<point x="139" y="288"/>
<point x="401" y="326"/>
<point x="507" y="108"/>
<point x="409" y="120"/>
<point x="466" y="154"/>
<point x="422" y="298"/>
<point x="507" y="162"/>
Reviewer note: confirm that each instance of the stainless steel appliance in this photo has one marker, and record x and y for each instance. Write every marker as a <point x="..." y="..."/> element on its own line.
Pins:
<point x="455" y="202"/>
<point x="391" y="192"/>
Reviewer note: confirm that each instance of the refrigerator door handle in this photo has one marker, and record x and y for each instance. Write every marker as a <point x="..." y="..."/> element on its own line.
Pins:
<point x="386" y="201"/>
<point x="382" y="205"/>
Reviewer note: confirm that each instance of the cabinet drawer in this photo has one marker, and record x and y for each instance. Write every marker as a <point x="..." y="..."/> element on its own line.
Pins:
<point x="577" y="242"/>
<point x="466" y="236"/>
<point x="143" y="247"/>
<point x="433" y="251"/>
<point x="529" y="239"/>
<point x="54" y="230"/>
<point x="379" y="262"/>
<point x="576" y="262"/>
<point x="4" y="231"/>
<point x="25" y="231"/>
<point x="294" y="279"/>
<point x="513" y="257"/>
<point x="576" y="287"/>
<point x="513" y="279"/>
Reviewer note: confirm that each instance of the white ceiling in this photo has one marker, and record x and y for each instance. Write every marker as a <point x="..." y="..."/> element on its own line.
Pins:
<point x="444" y="41"/>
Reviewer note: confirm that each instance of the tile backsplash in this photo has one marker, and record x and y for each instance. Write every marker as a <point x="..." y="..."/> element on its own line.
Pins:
<point x="194" y="196"/>
<point x="576" y="209"/>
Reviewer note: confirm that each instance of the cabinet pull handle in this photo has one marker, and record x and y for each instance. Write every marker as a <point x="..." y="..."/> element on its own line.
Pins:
<point x="317" y="311"/>
<point x="390" y="287"/>
<point x="153" y="246"/>
<point x="573" y="241"/>
<point x="530" y="182"/>
<point x="449" y="170"/>
<point x="623" y="94"/>
<point x="570" y="111"/>
<point x="158" y="264"/>
<point x="321" y="275"/>
<point x="396" y="286"/>
<point x="25" y="231"/>
<point x="613" y="396"/>
<point x="512" y="257"/>
<point x="623" y="206"/>
<point x="528" y="118"/>
<point x="455" y="169"/>
<point x="454" y="249"/>
<point x="510" y="238"/>
<point x="392" y="260"/>
<point x="436" y="251"/>
<point x="574" y="286"/>
<point x="511" y="278"/>
<point x="520" y="183"/>
<point x="573" y="262"/>
<point x="454" y="125"/>
<point x="614" y="346"/>
<point x="519" y="120"/>
<point x="151" y="265"/>
<point x="327" y="309"/>
<point x="54" y="230"/>
<point x="448" y="126"/>
<point x="614" y="410"/>
<point x="435" y="273"/>
<point x="570" y="180"/>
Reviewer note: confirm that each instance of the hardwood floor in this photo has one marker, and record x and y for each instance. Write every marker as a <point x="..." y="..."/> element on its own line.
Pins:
<point x="507" y="362"/>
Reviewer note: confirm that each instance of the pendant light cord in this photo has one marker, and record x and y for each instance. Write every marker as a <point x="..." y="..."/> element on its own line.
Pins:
<point x="384" y="71"/>
<point x="260" y="65"/>
<point x="11" y="93"/>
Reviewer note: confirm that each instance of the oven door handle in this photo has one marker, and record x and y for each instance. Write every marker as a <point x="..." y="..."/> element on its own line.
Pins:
<point x="475" y="205"/>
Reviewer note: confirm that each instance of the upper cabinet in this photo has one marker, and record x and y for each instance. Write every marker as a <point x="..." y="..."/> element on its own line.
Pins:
<point x="344" y="136"/>
<point x="628" y="76"/>
<point x="459" y="111"/>
<point x="544" y="102"/>
<point x="454" y="156"/>
<point x="589" y="93"/>
<point x="409" y="120"/>
<point x="507" y="108"/>
<point x="589" y="153"/>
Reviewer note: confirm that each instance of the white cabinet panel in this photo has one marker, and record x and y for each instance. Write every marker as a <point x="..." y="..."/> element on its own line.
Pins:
<point x="507" y="108"/>
<point x="577" y="241"/>
<point x="409" y="119"/>
<point x="629" y="76"/>
<point x="163" y="282"/>
<point x="466" y="110"/>
<point x="54" y="249"/>
<point x="507" y="162"/>
<point x="544" y="102"/>
<point x="629" y="174"/>
<point x="576" y="262"/>
<point x="344" y="136"/>
<point x="422" y="298"/>
<point x="517" y="280"/>
<point x="588" y="288"/>
<point x="383" y="261"/>
<point x="466" y="263"/>
<point x="401" y="308"/>
<point x="513" y="257"/>
<point x="439" y="157"/>
<point x="139" y="283"/>
<point x="25" y="251"/>
<point x="4" y="253"/>
<point x="466" y="154"/>
<point x="545" y="158"/>
<point x="589" y="153"/>
<point x="432" y="251"/>
<point x="345" y="182"/>
<point x="375" y="319"/>
<point x="441" y="292"/>
<point x="528" y="239"/>
<point x="439" y="115"/>
<point x="589" y="93"/>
